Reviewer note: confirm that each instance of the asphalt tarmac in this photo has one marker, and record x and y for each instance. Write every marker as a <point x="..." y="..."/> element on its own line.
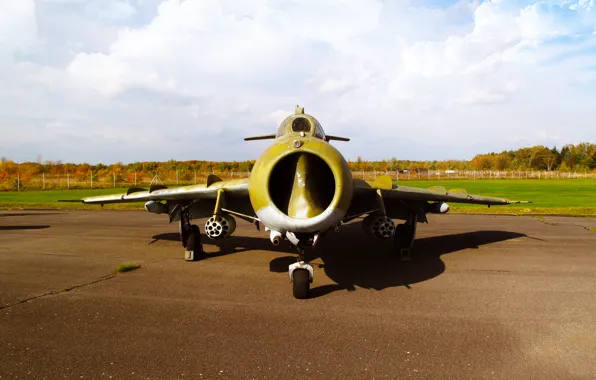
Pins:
<point x="486" y="297"/>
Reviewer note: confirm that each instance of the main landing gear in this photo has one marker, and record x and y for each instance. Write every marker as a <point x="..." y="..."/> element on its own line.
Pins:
<point x="404" y="237"/>
<point x="190" y="236"/>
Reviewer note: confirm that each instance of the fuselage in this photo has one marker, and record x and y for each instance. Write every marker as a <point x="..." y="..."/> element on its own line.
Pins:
<point x="300" y="183"/>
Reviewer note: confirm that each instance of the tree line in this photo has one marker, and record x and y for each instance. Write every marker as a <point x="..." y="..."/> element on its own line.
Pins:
<point x="580" y="158"/>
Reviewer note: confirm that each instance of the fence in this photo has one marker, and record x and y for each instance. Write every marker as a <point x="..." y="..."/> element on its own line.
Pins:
<point x="103" y="180"/>
<point x="18" y="181"/>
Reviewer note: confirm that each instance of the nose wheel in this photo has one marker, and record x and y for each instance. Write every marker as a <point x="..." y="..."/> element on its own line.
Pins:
<point x="301" y="284"/>
<point x="301" y="275"/>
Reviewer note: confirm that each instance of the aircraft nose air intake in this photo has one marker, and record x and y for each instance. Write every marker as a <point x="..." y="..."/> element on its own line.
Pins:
<point x="305" y="189"/>
<point x="302" y="185"/>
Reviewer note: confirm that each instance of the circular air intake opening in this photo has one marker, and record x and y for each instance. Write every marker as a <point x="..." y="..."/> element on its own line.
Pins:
<point x="301" y="185"/>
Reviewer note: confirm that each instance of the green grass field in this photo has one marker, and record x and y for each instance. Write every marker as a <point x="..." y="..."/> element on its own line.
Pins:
<point x="568" y="196"/>
<point x="49" y="199"/>
<point x="561" y="196"/>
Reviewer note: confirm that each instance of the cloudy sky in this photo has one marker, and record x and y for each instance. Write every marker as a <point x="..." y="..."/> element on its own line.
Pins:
<point x="129" y="80"/>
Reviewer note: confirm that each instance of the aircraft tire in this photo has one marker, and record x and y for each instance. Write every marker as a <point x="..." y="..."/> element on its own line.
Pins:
<point x="193" y="243"/>
<point x="398" y="237"/>
<point x="301" y="283"/>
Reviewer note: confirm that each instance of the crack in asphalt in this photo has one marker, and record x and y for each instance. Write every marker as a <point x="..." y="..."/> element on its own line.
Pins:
<point x="584" y="227"/>
<point x="54" y="292"/>
<point x="541" y="219"/>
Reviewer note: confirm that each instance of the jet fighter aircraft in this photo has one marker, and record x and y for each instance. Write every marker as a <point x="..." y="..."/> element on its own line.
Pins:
<point x="299" y="188"/>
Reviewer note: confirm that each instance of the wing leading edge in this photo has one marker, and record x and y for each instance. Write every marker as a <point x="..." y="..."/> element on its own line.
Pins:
<point x="237" y="187"/>
<point x="432" y="194"/>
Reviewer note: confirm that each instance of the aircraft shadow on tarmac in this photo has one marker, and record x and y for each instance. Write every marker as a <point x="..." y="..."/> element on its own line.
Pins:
<point x="31" y="214"/>
<point x="351" y="258"/>
<point x="232" y="244"/>
<point x="14" y="228"/>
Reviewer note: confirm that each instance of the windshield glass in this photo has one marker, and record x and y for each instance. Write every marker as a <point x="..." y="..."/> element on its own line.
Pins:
<point x="319" y="131"/>
<point x="281" y="130"/>
<point x="300" y="124"/>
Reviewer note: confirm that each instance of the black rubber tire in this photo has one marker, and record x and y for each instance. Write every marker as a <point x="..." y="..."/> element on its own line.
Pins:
<point x="403" y="236"/>
<point x="301" y="283"/>
<point x="398" y="237"/>
<point x="193" y="241"/>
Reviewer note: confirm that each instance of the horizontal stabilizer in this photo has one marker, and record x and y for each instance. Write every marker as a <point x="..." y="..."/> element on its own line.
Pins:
<point x="212" y="178"/>
<point x="383" y="182"/>
<point x="336" y="138"/>
<point x="134" y="190"/>
<point x="438" y="189"/>
<point x="459" y="192"/>
<point x="262" y="137"/>
<point x="152" y="188"/>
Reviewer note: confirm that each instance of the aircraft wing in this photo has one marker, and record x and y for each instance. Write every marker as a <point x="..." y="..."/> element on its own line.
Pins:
<point x="391" y="191"/>
<point x="236" y="187"/>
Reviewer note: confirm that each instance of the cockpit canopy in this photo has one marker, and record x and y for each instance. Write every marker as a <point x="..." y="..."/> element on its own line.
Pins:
<point x="300" y="122"/>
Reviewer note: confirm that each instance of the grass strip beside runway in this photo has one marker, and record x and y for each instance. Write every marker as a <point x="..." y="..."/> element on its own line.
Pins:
<point x="562" y="196"/>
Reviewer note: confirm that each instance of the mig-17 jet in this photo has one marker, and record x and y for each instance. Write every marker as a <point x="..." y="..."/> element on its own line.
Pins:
<point x="299" y="189"/>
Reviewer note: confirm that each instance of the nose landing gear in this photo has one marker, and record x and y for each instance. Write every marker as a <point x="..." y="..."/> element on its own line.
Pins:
<point x="301" y="275"/>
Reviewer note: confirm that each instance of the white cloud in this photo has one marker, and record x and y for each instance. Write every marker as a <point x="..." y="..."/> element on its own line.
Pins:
<point x="278" y="116"/>
<point x="198" y="74"/>
<point x="111" y="10"/>
<point x="489" y="95"/>
<point x="18" y="30"/>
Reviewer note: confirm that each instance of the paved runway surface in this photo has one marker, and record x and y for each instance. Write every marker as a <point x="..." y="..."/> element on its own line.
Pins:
<point x="486" y="297"/>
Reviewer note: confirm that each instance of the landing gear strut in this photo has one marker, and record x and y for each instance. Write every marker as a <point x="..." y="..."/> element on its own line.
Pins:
<point x="190" y="236"/>
<point x="404" y="237"/>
